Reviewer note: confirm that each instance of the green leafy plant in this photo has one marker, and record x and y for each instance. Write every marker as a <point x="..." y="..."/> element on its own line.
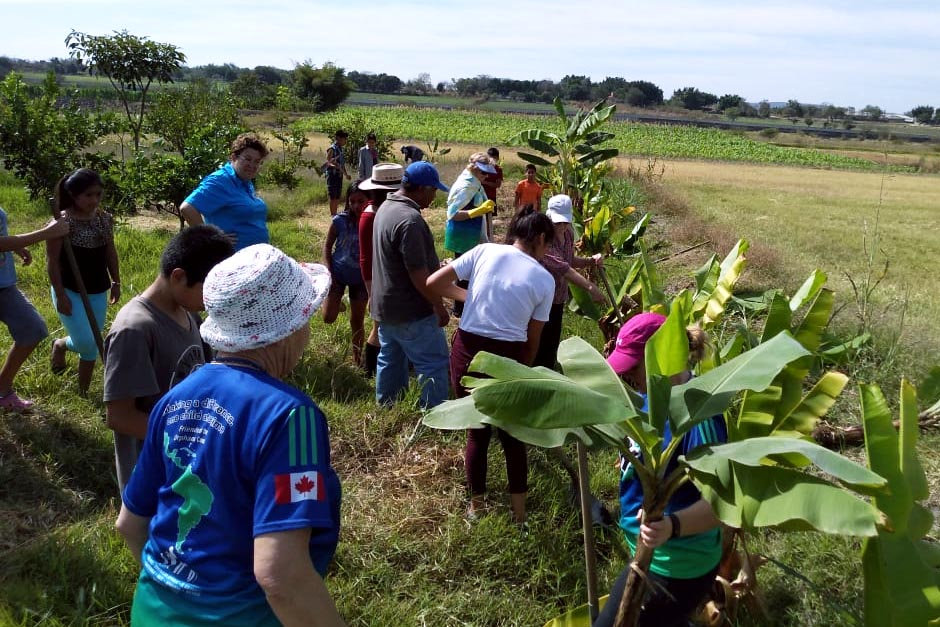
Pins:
<point x="901" y="566"/>
<point x="545" y="408"/>
<point x="41" y="140"/>
<point x="131" y="64"/>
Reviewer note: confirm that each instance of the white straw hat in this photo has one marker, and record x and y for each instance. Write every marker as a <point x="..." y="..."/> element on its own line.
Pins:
<point x="384" y="176"/>
<point x="258" y="296"/>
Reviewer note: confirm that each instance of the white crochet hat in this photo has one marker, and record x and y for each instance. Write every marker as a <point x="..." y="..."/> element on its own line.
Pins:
<point x="258" y="296"/>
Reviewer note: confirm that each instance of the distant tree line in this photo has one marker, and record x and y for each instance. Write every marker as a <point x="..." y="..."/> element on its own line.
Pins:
<point x="321" y="88"/>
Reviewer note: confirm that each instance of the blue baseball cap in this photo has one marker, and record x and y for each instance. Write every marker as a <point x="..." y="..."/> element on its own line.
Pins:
<point x="423" y="173"/>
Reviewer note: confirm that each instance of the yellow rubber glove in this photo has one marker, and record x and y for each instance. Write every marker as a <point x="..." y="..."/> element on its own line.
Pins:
<point x="486" y="207"/>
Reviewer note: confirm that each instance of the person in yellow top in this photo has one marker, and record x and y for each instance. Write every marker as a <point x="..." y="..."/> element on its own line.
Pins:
<point x="529" y="191"/>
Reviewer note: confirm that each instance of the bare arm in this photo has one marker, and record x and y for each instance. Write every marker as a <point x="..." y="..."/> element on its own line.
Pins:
<point x="533" y="335"/>
<point x="54" y="269"/>
<point x="123" y="417"/>
<point x="583" y="262"/>
<point x="419" y="278"/>
<point x="574" y="277"/>
<point x="55" y="229"/>
<point x="696" y="518"/>
<point x="191" y="214"/>
<point x="134" y="529"/>
<point x="442" y="283"/>
<point x="114" y="271"/>
<point x="292" y="586"/>
<point x="328" y="247"/>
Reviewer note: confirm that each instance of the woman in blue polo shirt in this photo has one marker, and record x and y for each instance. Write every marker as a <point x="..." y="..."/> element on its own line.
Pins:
<point x="687" y="540"/>
<point x="227" y="198"/>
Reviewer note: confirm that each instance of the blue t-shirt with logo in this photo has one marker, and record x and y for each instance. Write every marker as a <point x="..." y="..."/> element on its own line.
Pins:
<point x="7" y="269"/>
<point x="686" y="557"/>
<point x="230" y="454"/>
<point x="231" y="204"/>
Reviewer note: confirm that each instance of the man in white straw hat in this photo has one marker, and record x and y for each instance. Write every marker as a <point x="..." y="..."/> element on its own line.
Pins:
<point x="386" y="177"/>
<point x="233" y="508"/>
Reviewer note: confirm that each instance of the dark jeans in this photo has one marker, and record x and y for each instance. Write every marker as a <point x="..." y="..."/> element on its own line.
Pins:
<point x="659" y="610"/>
<point x="547" y="354"/>
<point x="465" y="346"/>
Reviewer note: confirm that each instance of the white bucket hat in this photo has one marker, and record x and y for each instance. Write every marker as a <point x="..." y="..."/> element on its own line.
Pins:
<point x="258" y="296"/>
<point x="384" y="176"/>
<point x="559" y="208"/>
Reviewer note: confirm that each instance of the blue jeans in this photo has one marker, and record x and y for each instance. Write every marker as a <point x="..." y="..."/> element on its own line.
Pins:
<point x="421" y="342"/>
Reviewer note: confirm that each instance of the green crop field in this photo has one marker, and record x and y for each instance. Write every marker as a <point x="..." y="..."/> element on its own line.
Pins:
<point x="631" y="138"/>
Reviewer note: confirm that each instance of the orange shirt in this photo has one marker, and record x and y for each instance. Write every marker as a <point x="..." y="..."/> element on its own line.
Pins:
<point x="528" y="193"/>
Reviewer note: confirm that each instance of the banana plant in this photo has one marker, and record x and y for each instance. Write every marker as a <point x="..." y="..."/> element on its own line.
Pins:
<point x="587" y="401"/>
<point x="902" y="568"/>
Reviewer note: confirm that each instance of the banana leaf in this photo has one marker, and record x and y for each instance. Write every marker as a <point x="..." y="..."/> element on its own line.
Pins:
<point x="534" y="159"/>
<point x="779" y="316"/>
<point x="534" y="134"/>
<point x="731" y="268"/>
<point x="578" y="617"/>
<point x="808" y="290"/>
<point x="538" y="398"/>
<point x="596" y="156"/>
<point x="711" y="393"/>
<point x="595" y="117"/>
<point x="624" y="243"/>
<point x="706" y="279"/>
<point x="902" y="586"/>
<point x="776" y="497"/>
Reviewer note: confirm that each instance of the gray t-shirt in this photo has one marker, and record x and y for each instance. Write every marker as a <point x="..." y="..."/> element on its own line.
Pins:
<point x="401" y="242"/>
<point x="146" y="353"/>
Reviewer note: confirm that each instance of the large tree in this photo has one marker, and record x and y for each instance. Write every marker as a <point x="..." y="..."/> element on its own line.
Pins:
<point x="922" y="114"/>
<point x="323" y="88"/>
<point x="131" y="63"/>
<point x="693" y="99"/>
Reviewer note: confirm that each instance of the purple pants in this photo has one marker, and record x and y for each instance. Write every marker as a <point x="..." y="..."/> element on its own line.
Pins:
<point x="465" y="346"/>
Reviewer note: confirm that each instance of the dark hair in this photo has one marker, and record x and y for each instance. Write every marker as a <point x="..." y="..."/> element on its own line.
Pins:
<point x="528" y="225"/>
<point x="75" y="184"/>
<point x="530" y="166"/>
<point x="195" y="250"/>
<point x="245" y="141"/>
<point x="523" y="211"/>
<point x="340" y="134"/>
<point x="493" y="152"/>
<point x="354" y="189"/>
<point x="370" y="136"/>
<point x="378" y="196"/>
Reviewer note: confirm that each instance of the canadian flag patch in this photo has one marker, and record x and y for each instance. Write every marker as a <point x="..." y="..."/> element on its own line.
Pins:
<point x="298" y="486"/>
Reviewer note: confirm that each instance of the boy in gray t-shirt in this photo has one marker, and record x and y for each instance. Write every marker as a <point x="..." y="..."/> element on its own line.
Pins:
<point x="154" y="341"/>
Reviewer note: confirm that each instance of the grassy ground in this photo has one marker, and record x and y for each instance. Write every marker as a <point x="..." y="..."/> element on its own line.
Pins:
<point x="407" y="556"/>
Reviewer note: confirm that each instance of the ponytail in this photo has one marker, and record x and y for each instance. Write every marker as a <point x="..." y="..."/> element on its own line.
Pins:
<point x="698" y="343"/>
<point x="74" y="184"/>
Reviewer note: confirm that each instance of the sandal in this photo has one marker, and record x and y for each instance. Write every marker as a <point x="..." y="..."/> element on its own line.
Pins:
<point x="57" y="358"/>
<point x="12" y="402"/>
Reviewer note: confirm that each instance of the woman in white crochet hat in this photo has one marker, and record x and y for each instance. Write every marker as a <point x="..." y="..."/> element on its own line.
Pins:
<point x="233" y="508"/>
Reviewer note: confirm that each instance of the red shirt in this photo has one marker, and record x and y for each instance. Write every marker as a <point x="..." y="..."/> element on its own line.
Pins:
<point x="492" y="183"/>
<point x="366" y="218"/>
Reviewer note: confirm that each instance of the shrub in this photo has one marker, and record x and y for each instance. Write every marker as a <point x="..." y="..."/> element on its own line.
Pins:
<point x="769" y="133"/>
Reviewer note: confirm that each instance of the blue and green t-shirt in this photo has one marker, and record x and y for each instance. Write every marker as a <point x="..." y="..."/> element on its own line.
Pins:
<point x="686" y="557"/>
<point x="230" y="454"/>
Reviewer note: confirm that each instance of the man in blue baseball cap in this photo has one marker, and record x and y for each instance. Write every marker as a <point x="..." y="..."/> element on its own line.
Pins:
<point x="409" y="315"/>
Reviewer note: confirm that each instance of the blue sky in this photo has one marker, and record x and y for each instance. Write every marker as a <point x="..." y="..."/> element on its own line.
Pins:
<point x="847" y="53"/>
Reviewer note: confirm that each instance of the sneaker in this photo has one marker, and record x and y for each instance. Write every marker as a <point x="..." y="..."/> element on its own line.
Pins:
<point x="13" y="402"/>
